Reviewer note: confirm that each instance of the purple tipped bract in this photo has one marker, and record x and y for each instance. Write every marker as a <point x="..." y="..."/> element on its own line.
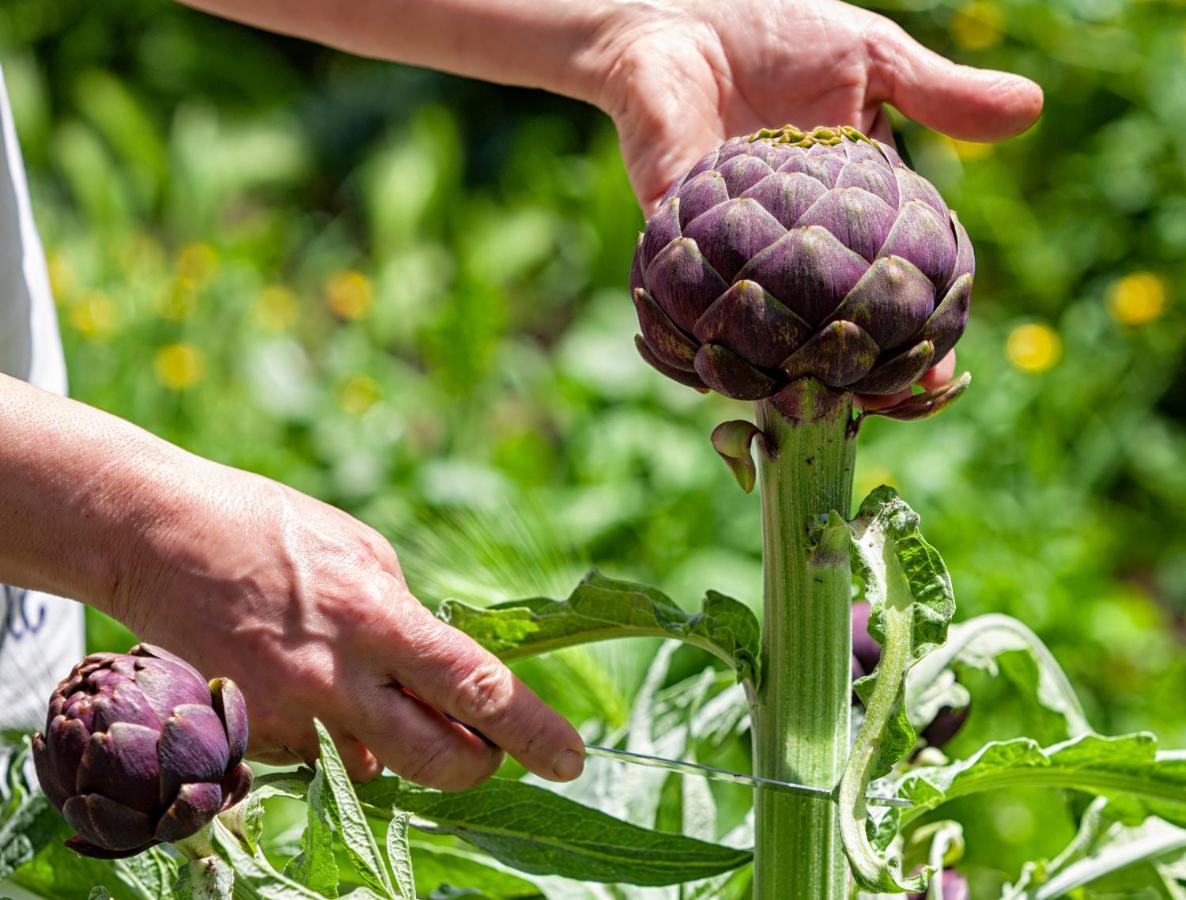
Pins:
<point x="138" y="749"/>
<point x="790" y="254"/>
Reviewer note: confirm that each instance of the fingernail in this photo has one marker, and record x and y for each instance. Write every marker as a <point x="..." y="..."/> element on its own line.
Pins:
<point x="568" y="765"/>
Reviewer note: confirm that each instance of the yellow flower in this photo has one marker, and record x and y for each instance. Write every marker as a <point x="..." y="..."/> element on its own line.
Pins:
<point x="358" y="394"/>
<point x="1137" y="299"/>
<point x="978" y="25"/>
<point x="1033" y="347"/>
<point x="178" y="303"/>
<point x="179" y="366"/>
<point x="970" y="151"/>
<point x="197" y="262"/>
<point x="94" y="316"/>
<point x="276" y="308"/>
<point x="350" y="294"/>
<point x="62" y="280"/>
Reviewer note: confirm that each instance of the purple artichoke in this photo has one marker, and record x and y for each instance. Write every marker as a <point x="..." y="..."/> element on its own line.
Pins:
<point x="139" y="749"/>
<point x="789" y="254"/>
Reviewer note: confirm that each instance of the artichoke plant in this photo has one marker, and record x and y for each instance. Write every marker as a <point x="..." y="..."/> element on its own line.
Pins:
<point x="788" y="254"/>
<point x="797" y="269"/>
<point x="140" y="749"/>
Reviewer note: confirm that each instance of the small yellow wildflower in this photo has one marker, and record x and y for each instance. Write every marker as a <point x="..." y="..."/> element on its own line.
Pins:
<point x="1137" y="299"/>
<point x="358" y="394"/>
<point x="62" y="280"/>
<point x="178" y="302"/>
<point x="276" y="308"/>
<point x="970" y="151"/>
<point x="1033" y="347"/>
<point x="978" y="25"/>
<point x="179" y="366"/>
<point x="198" y="262"/>
<point x="94" y="316"/>
<point x="350" y="294"/>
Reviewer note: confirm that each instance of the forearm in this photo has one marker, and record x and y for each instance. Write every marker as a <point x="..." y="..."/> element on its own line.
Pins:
<point x="76" y="487"/>
<point x="558" y="45"/>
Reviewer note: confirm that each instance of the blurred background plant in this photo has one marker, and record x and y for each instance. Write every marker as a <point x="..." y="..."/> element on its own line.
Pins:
<point x="405" y="293"/>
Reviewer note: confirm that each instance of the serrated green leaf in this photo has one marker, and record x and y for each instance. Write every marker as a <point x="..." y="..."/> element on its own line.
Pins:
<point x="399" y="856"/>
<point x="315" y="866"/>
<point x="1106" y="857"/>
<point x="255" y="879"/>
<point x="911" y="604"/>
<point x="210" y="878"/>
<point x="986" y="643"/>
<point x="247" y="818"/>
<point x="152" y="872"/>
<point x="537" y="831"/>
<point x="1128" y="770"/>
<point x="348" y="817"/>
<point x="603" y="608"/>
<point x="32" y="825"/>
<point x="457" y="868"/>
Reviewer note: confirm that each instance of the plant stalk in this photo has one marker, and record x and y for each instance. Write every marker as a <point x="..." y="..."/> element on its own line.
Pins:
<point x="801" y="710"/>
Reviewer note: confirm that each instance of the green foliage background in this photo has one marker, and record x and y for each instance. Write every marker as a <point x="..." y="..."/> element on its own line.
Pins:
<point x="405" y="293"/>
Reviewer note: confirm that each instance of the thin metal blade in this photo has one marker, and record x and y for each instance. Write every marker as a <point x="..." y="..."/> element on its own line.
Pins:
<point x="715" y="774"/>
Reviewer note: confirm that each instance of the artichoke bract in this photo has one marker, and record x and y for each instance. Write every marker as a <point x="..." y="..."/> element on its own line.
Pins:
<point x="140" y="749"/>
<point x="790" y="254"/>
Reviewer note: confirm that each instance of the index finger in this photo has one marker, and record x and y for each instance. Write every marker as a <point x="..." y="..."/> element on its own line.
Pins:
<point x="449" y="670"/>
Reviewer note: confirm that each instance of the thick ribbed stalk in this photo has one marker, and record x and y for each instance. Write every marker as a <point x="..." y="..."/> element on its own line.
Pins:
<point x="801" y="712"/>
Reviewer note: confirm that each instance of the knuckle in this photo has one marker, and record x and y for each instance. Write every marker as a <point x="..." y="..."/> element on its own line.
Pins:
<point x="434" y="765"/>
<point x="487" y="693"/>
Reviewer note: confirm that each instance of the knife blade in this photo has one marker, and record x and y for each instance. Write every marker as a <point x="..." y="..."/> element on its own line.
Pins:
<point x="715" y="774"/>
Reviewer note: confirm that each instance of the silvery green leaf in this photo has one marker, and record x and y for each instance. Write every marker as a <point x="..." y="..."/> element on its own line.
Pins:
<point x="539" y="832"/>
<point x="151" y="873"/>
<point x="1128" y="770"/>
<point x="247" y="818"/>
<point x="348" y="817"/>
<point x="438" y="865"/>
<point x="1129" y="857"/>
<point x="911" y="604"/>
<point x="315" y="866"/>
<point x="210" y="878"/>
<point x="399" y="856"/>
<point x="987" y="643"/>
<point x="255" y="879"/>
<point x="602" y="608"/>
<point x="30" y="823"/>
<point x="99" y="893"/>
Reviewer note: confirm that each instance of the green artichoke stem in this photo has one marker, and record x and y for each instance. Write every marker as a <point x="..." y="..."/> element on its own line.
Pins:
<point x="801" y="709"/>
<point x="198" y="845"/>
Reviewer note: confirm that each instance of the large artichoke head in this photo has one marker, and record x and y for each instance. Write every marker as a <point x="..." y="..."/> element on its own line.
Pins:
<point x="787" y="255"/>
<point x="140" y="749"/>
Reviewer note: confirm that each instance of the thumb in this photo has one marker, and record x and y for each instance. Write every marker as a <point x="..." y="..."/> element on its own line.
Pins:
<point x="660" y="141"/>
<point x="960" y="101"/>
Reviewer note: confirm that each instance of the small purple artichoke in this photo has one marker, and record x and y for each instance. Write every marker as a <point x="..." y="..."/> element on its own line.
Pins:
<point x="139" y="749"/>
<point x="791" y="254"/>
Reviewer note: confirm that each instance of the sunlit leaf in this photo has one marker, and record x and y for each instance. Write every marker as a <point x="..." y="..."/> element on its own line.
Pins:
<point x="537" y="831"/>
<point x="602" y="608"/>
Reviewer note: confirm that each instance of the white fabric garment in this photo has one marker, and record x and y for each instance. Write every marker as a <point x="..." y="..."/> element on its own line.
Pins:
<point x="41" y="636"/>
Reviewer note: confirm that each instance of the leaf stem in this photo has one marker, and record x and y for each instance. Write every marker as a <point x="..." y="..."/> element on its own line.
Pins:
<point x="802" y="707"/>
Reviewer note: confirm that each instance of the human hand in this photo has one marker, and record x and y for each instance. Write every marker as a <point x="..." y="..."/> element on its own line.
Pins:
<point x="680" y="78"/>
<point x="306" y="609"/>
